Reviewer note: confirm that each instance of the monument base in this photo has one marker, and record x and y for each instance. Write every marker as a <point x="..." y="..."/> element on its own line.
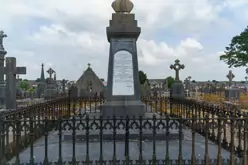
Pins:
<point x="232" y="93"/>
<point x="123" y="109"/>
<point x="178" y="90"/>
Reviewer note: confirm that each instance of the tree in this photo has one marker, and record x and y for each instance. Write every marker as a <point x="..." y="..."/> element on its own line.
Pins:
<point x="24" y="85"/>
<point x="170" y="80"/>
<point x="236" y="53"/>
<point x="142" y="77"/>
<point x="193" y="81"/>
<point x="37" y="80"/>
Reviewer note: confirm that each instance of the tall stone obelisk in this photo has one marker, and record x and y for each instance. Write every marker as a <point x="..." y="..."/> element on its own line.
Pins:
<point x="123" y="95"/>
<point x="2" y="83"/>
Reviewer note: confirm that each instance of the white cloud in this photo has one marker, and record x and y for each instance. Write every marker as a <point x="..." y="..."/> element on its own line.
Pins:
<point x="74" y="35"/>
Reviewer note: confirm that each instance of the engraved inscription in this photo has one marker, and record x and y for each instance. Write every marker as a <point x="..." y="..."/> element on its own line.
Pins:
<point x="123" y="84"/>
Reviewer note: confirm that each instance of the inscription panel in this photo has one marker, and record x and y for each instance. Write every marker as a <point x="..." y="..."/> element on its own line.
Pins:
<point x="123" y="83"/>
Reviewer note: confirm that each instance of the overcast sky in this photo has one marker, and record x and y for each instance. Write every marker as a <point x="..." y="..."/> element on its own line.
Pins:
<point x="68" y="34"/>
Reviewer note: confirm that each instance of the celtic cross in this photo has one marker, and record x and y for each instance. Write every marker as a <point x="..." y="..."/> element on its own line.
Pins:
<point x="230" y="77"/>
<point x="177" y="66"/>
<point x="50" y="72"/>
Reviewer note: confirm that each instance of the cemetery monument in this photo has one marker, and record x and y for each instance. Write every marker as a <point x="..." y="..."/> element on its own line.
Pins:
<point x="232" y="92"/>
<point x="177" y="87"/>
<point x="50" y="91"/>
<point x="123" y="94"/>
<point x="2" y="83"/>
<point x="11" y="71"/>
<point x="41" y="84"/>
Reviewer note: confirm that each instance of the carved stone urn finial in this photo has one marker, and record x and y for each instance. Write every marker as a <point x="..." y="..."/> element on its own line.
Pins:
<point x="122" y="6"/>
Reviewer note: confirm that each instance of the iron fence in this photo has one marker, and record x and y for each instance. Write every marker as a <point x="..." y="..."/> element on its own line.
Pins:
<point x="89" y="139"/>
<point x="59" y="127"/>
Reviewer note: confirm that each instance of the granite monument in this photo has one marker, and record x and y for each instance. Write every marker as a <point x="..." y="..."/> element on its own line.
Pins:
<point x="123" y="94"/>
<point x="177" y="87"/>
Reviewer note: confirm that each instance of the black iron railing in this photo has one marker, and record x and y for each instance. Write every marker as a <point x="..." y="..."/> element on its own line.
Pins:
<point x="54" y="131"/>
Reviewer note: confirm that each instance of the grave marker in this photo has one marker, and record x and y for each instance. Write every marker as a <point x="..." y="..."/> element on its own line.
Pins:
<point x="2" y="83"/>
<point x="123" y="94"/>
<point x="177" y="87"/>
<point x="50" y="91"/>
<point x="11" y="70"/>
<point x="230" y="77"/>
<point x="177" y="67"/>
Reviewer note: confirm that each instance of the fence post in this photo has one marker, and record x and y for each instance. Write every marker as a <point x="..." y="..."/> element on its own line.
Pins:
<point x="245" y="156"/>
<point x="2" y="140"/>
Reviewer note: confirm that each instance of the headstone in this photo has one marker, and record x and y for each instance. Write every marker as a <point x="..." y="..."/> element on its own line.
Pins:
<point x="123" y="95"/>
<point x="2" y="82"/>
<point x="50" y="91"/>
<point x="232" y="92"/>
<point x="177" y="87"/>
<point x="11" y="70"/>
<point x="230" y="77"/>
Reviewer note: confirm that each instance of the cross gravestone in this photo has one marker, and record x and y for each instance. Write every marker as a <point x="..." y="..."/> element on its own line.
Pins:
<point x="2" y="83"/>
<point x="177" y="87"/>
<point x="230" y="77"/>
<point x="233" y="92"/>
<point x="123" y="94"/>
<point x="50" y="91"/>
<point x="11" y="70"/>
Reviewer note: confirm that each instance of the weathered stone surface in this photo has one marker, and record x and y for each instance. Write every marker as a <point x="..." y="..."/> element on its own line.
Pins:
<point x="11" y="70"/>
<point x="122" y="37"/>
<point x="178" y="90"/>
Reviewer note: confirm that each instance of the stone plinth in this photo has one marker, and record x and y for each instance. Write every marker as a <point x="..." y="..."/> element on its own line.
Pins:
<point x="123" y="108"/>
<point x="232" y="93"/>
<point x="178" y="90"/>
<point x="50" y="91"/>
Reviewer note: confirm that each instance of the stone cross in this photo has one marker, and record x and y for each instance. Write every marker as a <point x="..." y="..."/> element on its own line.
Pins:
<point x="230" y="77"/>
<point x="2" y="82"/>
<point x="89" y="65"/>
<point x="177" y="66"/>
<point x="11" y="70"/>
<point x="50" y="71"/>
<point x="2" y="35"/>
